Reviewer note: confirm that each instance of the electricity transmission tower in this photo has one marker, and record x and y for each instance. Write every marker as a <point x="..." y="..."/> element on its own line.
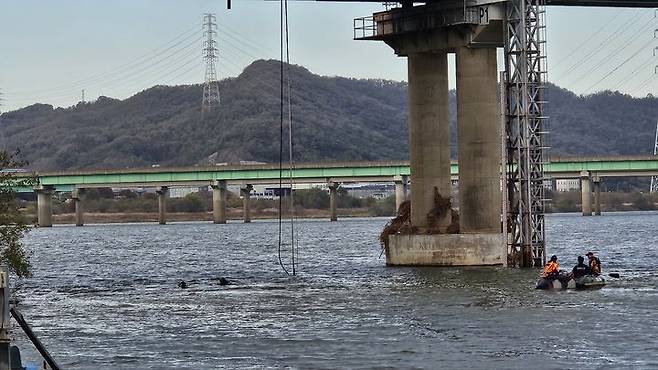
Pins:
<point x="211" y="86"/>
<point x="654" y="179"/>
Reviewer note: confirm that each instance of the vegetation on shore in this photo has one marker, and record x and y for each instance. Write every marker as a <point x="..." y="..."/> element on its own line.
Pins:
<point x="308" y="203"/>
<point x="570" y="201"/>
<point x="13" y="225"/>
<point x="102" y="205"/>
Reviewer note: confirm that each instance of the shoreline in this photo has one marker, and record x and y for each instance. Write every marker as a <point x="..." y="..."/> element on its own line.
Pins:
<point x="232" y="215"/>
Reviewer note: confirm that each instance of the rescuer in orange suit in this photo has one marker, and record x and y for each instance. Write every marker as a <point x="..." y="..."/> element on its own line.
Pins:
<point x="551" y="268"/>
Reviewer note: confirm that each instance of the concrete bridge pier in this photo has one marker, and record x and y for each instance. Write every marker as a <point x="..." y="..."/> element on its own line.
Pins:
<point x="596" y="180"/>
<point x="429" y="134"/>
<point x="44" y="206"/>
<point x="77" y="195"/>
<point x="333" y="193"/>
<point x="586" y="193"/>
<point x="245" y="190"/>
<point x="162" y="192"/>
<point x="219" y="202"/>
<point x="478" y="140"/>
<point x="425" y="34"/>
<point x="401" y="187"/>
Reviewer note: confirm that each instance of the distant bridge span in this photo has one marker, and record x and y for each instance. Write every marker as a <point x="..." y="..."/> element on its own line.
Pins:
<point x="218" y="177"/>
<point x="381" y="171"/>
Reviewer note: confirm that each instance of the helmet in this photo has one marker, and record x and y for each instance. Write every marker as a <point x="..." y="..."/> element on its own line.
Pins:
<point x="581" y="258"/>
<point x="553" y="258"/>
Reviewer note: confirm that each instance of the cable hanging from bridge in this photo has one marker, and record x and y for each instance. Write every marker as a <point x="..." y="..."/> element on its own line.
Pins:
<point x="285" y="80"/>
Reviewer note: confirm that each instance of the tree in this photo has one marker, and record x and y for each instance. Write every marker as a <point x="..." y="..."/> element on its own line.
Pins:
<point x="12" y="223"/>
<point x="312" y="198"/>
<point x="641" y="202"/>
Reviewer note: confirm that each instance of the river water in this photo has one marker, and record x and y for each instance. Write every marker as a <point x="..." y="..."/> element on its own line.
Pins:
<point x="106" y="297"/>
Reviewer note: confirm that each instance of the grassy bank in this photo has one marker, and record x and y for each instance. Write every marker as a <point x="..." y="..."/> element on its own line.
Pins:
<point x="233" y="214"/>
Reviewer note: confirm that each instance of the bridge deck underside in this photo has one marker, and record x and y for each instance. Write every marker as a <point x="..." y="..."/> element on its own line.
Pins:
<point x="606" y="3"/>
<point x="593" y="3"/>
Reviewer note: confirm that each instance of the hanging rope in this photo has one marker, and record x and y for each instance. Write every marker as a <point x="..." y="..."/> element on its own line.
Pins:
<point x="291" y="163"/>
<point x="283" y="40"/>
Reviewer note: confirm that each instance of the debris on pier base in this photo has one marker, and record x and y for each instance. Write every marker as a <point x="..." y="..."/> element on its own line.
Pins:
<point x="401" y="224"/>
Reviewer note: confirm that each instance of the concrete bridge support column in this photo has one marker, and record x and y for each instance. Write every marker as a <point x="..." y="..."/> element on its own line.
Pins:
<point x="586" y="193"/>
<point x="246" y="194"/>
<point x="44" y="206"/>
<point x="76" y="195"/>
<point x="597" y="195"/>
<point x="401" y="185"/>
<point x="429" y="133"/>
<point x="162" y="192"/>
<point x="219" y="202"/>
<point x="333" y="190"/>
<point x="478" y="135"/>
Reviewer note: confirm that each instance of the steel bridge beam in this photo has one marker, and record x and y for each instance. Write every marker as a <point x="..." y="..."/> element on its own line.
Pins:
<point x="606" y="3"/>
<point x="590" y="3"/>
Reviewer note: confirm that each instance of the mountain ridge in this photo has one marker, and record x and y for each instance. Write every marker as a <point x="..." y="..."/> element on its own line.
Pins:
<point x="335" y="118"/>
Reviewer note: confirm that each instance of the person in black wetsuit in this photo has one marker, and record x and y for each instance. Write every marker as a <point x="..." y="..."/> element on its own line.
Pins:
<point x="581" y="269"/>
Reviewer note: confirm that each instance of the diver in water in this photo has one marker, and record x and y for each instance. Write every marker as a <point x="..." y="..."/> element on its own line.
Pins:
<point x="581" y="269"/>
<point x="551" y="269"/>
<point x="594" y="264"/>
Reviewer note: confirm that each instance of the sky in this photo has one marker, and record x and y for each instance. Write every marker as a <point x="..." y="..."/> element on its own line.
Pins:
<point x="50" y="50"/>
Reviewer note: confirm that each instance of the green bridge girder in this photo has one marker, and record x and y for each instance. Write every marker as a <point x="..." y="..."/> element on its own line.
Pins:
<point x="316" y="173"/>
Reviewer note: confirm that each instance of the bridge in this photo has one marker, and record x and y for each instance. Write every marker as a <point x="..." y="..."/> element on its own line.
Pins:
<point x="588" y="169"/>
<point x="492" y="109"/>
<point x="492" y="123"/>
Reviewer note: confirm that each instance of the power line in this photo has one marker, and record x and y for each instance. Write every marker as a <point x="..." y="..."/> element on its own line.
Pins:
<point x="645" y="83"/>
<point x="580" y="62"/>
<point x="76" y="85"/>
<point x="620" y="65"/>
<point x="177" y="56"/>
<point x="605" y="26"/>
<point x="617" y="51"/>
<point x="629" y="77"/>
<point x="132" y="76"/>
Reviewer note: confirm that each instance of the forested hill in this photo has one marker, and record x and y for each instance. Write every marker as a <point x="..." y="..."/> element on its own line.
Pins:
<point x="335" y="119"/>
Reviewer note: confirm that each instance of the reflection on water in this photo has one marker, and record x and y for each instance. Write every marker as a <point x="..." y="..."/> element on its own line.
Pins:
<point x="106" y="296"/>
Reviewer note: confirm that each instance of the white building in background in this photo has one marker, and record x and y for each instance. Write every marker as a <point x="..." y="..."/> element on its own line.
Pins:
<point x="377" y="191"/>
<point x="272" y="191"/>
<point x="182" y="191"/>
<point x="567" y="184"/>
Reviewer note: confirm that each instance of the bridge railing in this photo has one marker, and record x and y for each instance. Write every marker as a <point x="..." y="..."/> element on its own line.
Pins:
<point x="364" y="27"/>
<point x="402" y="20"/>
